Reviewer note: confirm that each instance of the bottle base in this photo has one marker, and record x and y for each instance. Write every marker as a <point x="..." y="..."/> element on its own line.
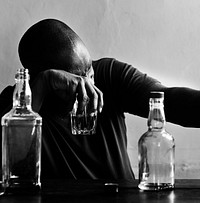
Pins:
<point x="156" y="186"/>
<point x="22" y="187"/>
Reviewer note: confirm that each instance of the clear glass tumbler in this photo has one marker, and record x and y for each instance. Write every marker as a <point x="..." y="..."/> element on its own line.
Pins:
<point x="84" y="123"/>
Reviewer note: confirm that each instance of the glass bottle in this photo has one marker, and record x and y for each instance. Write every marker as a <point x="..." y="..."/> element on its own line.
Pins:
<point x="156" y="149"/>
<point x="21" y="141"/>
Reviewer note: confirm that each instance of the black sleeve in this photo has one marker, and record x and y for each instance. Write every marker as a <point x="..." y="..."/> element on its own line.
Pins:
<point x="129" y="89"/>
<point x="182" y="106"/>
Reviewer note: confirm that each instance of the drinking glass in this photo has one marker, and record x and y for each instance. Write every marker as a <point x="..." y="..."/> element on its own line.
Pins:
<point x="84" y="123"/>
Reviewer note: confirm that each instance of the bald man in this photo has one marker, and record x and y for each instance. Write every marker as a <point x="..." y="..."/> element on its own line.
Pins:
<point x="60" y="68"/>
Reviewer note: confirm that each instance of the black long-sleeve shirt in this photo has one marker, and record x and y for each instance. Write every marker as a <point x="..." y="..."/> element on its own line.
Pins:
<point x="104" y="155"/>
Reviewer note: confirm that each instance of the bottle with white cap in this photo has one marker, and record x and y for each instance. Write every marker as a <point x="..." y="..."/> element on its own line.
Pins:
<point x="156" y="149"/>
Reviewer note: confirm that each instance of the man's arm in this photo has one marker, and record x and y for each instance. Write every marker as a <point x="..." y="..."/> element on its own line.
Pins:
<point x="66" y="86"/>
<point x="182" y="106"/>
<point x="129" y="89"/>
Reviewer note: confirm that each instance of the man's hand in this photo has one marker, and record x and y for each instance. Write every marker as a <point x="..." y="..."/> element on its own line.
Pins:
<point x="68" y="87"/>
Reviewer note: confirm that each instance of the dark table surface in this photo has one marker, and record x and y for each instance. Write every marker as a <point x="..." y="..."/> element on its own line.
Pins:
<point x="187" y="190"/>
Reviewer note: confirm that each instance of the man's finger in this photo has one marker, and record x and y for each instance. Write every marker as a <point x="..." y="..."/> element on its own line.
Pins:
<point x="82" y="97"/>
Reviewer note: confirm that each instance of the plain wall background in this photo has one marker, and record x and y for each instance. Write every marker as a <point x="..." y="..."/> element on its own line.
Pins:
<point x="159" y="37"/>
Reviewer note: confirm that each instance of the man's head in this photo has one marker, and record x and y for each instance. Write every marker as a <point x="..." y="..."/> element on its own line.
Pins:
<point x="51" y="44"/>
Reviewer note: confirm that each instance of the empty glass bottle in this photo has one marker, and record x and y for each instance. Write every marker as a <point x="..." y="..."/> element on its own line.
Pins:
<point x="21" y="141"/>
<point x="156" y="149"/>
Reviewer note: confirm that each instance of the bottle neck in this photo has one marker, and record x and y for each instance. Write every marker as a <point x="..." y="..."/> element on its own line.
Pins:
<point x="22" y="92"/>
<point x="156" y="119"/>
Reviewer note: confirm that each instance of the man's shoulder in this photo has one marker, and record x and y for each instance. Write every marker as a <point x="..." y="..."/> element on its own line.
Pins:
<point x="6" y="99"/>
<point x="103" y="61"/>
<point x="6" y="96"/>
<point x="107" y="64"/>
<point x="7" y="92"/>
